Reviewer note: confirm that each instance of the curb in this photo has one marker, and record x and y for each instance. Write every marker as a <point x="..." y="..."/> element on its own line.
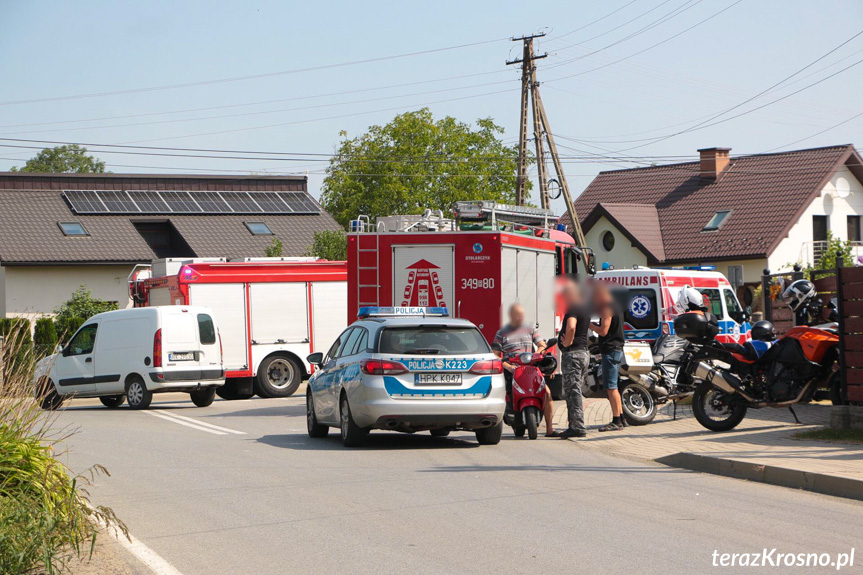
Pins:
<point x="782" y="476"/>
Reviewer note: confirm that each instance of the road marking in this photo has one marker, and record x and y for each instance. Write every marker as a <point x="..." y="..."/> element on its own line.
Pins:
<point x="203" y="423"/>
<point x="144" y="554"/>
<point x="193" y="426"/>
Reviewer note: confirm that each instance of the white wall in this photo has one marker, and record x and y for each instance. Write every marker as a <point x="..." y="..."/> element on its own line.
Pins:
<point x="623" y="255"/>
<point x="796" y="247"/>
<point x="752" y="269"/>
<point x="33" y="291"/>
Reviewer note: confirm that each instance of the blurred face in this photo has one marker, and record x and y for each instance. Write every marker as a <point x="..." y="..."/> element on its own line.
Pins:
<point x="601" y="295"/>
<point x="571" y="293"/>
<point x="516" y="315"/>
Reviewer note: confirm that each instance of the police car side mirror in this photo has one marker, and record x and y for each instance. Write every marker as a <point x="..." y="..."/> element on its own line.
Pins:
<point x="316" y="358"/>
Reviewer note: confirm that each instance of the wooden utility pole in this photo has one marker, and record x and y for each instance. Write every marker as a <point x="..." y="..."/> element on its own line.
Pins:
<point x="541" y="130"/>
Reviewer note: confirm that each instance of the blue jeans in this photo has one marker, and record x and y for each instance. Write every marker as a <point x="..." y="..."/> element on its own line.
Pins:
<point x="611" y="368"/>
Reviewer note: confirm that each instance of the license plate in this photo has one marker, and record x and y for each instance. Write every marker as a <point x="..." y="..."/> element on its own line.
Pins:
<point x="437" y="378"/>
<point x="184" y="356"/>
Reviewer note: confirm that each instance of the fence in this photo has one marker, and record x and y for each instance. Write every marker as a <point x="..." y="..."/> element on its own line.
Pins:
<point x="777" y="311"/>
<point x="849" y="296"/>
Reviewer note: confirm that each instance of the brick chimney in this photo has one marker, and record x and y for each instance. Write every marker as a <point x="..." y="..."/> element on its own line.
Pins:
<point x="713" y="162"/>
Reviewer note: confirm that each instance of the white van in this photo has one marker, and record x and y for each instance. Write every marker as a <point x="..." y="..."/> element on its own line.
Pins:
<point x="130" y="354"/>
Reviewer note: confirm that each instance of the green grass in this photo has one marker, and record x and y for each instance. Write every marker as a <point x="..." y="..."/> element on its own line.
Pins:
<point x="830" y="434"/>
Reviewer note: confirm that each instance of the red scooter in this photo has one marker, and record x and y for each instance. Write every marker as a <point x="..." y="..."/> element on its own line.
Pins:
<point x="527" y="399"/>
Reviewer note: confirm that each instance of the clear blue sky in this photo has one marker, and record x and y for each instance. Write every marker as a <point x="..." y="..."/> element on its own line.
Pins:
<point x="53" y="49"/>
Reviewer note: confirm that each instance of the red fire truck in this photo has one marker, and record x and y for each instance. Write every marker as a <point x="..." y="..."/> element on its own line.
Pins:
<point x="272" y="313"/>
<point x="477" y="264"/>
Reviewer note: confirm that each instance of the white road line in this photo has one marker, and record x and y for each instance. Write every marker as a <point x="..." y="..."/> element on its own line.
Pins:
<point x="203" y="423"/>
<point x="144" y="554"/>
<point x="193" y="426"/>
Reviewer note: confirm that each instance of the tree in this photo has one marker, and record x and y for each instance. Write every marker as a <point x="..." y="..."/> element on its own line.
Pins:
<point x="72" y="159"/>
<point x="329" y="245"/>
<point x="415" y="162"/>
<point x="82" y="304"/>
<point x="274" y="250"/>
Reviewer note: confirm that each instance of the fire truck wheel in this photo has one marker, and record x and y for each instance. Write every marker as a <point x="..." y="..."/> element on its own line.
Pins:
<point x="278" y="376"/>
<point x="203" y="397"/>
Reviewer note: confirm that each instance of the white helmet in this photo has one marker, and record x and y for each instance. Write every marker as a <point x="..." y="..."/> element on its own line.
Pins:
<point x="798" y="293"/>
<point x="689" y="299"/>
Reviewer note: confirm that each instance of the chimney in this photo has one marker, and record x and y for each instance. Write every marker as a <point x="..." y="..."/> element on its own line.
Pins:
<point x="713" y="162"/>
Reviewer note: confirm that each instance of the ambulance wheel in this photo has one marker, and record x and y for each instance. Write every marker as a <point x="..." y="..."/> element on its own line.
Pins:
<point x="112" y="400"/>
<point x="278" y="376"/>
<point x="137" y="394"/>
<point x="203" y="397"/>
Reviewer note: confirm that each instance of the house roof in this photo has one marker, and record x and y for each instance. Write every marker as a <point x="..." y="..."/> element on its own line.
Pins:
<point x="766" y="193"/>
<point x="31" y="205"/>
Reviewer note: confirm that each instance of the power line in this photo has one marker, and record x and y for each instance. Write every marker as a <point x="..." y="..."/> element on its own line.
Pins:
<point x="615" y="28"/>
<point x="613" y="12"/>
<point x="810" y="136"/>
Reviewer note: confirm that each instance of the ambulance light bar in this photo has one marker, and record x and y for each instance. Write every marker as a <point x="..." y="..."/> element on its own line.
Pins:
<point x="371" y="311"/>
<point x="691" y="268"/>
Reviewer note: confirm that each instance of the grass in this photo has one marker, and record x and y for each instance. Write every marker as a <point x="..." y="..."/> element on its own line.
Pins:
<point x="46" y="518"/>
<point x="830" y="434"/>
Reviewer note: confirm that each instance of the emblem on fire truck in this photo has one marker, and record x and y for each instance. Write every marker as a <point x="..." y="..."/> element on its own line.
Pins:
<point x="423" y="287"/>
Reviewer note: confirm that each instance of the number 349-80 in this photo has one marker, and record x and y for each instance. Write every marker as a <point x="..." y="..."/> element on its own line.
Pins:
<point x="477" y="283"/>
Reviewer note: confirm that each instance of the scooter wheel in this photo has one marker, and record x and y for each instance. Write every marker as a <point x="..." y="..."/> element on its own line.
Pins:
<point x="531" y="417"/>
<point x="518" y="430"/>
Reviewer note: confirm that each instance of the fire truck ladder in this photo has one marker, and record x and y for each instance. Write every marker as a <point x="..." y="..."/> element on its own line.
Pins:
<point x="368" y="276"/>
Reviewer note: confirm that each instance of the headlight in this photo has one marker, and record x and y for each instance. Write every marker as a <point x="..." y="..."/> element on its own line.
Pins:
<point x="525" y="358"/>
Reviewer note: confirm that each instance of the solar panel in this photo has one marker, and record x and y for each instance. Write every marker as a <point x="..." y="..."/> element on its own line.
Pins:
<point x="180" y="202"/>
<point x="85" y="202"/>
<point x="212" y="203"/>
<point x="300" y="202"/>
<point x="150" y="202"/>
<point x="241" y="203"/>
<point x="270" y="202"/>
<point x="118" y="202"/>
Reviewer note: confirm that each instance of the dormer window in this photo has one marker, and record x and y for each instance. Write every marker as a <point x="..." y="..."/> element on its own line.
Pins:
<point x="716" y="222"/>
<point x="73" y="229"/>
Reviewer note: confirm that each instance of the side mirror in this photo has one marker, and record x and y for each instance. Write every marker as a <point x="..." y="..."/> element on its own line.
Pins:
<point x="551" y="342"/>
<point x="66" y="351"/>
<point x="58" y="348"/>
<point x="316" y="358"/>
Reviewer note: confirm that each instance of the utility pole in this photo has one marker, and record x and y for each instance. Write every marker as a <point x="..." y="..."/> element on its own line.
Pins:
<point x="541" y="127"/>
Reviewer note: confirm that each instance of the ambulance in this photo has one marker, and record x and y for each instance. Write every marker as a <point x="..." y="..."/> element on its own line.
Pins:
<point x="648" y="295"/>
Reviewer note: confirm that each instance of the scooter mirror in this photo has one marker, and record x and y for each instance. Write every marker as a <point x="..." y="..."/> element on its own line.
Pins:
<point x="551" y="342"/>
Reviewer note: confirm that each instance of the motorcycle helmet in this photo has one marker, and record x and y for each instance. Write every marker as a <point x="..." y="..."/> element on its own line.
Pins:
<point x="763" y="331"/>
<point x="798" y="293"/>
<point x="689" y="299"/>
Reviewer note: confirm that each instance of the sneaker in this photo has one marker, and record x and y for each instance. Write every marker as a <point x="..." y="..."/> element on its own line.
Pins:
<point x="572" y="433"/>
<point x="610" y="427"/>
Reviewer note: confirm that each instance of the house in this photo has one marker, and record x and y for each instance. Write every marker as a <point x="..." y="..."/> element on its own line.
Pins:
<point x="59" y="231"/>
<point x="741" y="214"/>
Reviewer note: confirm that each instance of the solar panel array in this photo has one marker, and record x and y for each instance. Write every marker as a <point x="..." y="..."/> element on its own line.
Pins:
<point x="179" y="202"/>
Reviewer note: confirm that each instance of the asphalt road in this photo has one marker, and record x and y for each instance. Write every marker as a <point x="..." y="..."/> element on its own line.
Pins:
<point x="255" y="494"/>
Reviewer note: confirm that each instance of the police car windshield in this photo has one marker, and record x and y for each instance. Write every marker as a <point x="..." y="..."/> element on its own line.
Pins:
<point x="432" y="340"/>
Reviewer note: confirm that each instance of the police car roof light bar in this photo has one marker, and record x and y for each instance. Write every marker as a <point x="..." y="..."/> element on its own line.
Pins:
<point x="374" y="311"/>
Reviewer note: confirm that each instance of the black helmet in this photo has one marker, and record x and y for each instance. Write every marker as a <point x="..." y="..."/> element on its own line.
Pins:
<point x="798" y="293"/>
<point x="763" y="331"/>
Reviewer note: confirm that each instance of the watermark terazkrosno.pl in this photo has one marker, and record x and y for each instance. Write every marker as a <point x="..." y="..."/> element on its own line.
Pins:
<point x="775" y="558"/>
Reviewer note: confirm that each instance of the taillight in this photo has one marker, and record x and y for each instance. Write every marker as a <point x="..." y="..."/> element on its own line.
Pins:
<point x="382" y="367"/>
<point x="487" y="367"/>
<point x="666" y="328"/>
<point x="157" y="349"/>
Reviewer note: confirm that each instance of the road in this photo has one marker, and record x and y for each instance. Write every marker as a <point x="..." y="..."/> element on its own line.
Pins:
<point x="239" y="487"/>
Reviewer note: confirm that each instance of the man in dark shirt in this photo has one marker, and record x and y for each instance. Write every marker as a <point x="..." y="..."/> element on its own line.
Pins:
<point x="574" y="358"/>
<point x="611" y="340"/>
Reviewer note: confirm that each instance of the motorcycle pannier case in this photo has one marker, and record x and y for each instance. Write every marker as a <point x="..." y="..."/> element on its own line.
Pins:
<point x="694" y="326"/>
<point x="637" y="358"/>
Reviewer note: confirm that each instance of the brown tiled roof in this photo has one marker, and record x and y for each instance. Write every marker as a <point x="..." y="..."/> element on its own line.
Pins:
<point x="766" y="193"/>
<point x="31" y="206"/>
<point x="640" y="223"/>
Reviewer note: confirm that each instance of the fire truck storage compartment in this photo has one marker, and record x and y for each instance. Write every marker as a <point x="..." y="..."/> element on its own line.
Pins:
<point x="228" y="302"/>
<point x="329" y="308"/>
<point x="424" y="274"/>
<point x="272" y="320"/>
<point x="161" y="296"/>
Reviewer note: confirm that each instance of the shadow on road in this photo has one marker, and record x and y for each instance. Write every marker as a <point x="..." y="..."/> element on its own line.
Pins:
<point x="375" y="441"/>
<point x="575" y="468"/>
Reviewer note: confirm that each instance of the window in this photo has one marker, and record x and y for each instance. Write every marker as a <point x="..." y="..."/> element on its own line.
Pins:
<point x="350" y="343"/>
<point x="333" y="353"/>
<point x="713" y="301"/>
<point x="362" y="341"/>
<point x="608" y="241"/>
<point x="735" y="312"/>
<point x="639" y="305"/>
<point x="716" y="222"/>
<point x="259" y="228"/>
<point x="853" y="228"/>
<point x="206" y="329"/>
<point x="427" y="340"/>
<point x="164" y="239"/>
<point x="84" y="340"/>
<point x="820" y="227"/>
<point x="72" y="229"/>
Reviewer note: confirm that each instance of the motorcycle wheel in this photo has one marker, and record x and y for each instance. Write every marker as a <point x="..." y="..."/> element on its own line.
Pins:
<point x="835" y="385"/>
<point x="531" y="416"/>
<point x="710" y="410"/>
<point x="638" y="405"/>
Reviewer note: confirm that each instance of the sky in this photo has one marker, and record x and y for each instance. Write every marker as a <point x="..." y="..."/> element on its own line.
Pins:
<point x="622" y="78"/>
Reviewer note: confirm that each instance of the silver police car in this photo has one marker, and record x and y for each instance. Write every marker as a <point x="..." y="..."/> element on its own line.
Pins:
<point x="407" y="369"/>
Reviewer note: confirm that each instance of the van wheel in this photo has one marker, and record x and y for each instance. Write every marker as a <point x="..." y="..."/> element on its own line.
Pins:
<point x="112" y="400"/>
<point x="278" y="376"/>
<point x="203" y="397"/>
<point x="137" y="394"/>
<point x="49" y="399"/>
<point x="352" y="434"/>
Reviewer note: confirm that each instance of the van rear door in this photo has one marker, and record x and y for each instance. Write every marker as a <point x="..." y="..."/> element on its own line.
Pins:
<point x="189" y="339"/>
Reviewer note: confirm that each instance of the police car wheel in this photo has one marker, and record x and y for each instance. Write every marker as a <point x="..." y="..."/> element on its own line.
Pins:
<point x="314" y="428"/>
<point x="278" y="376"/>
<point x="490" y="435"/>
<point x="352" y="434"/>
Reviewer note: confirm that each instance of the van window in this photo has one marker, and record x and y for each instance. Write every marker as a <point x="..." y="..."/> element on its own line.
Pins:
<point x="639" y="307"/>
<point x="206" y="329"/>
<point x="713" y="301"/>
<point x="84" y="340"/>
<point x="731" y="304"/>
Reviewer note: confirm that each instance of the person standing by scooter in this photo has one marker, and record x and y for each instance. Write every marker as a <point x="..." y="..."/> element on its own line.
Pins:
<point x="517" y="337"/>
<point x="575" y="358"/>
<point x="611" y="340"/>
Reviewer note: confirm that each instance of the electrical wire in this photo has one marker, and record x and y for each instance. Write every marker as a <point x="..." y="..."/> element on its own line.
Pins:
<point x="612" y="13"/>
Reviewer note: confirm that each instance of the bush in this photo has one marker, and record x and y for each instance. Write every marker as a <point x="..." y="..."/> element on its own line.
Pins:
<point x="18" y="344"/>
<point x="44" y="337"/>
<point x="83" y="304"/>
<point x="66" y="327"/>
<point x="329" y="245"/>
